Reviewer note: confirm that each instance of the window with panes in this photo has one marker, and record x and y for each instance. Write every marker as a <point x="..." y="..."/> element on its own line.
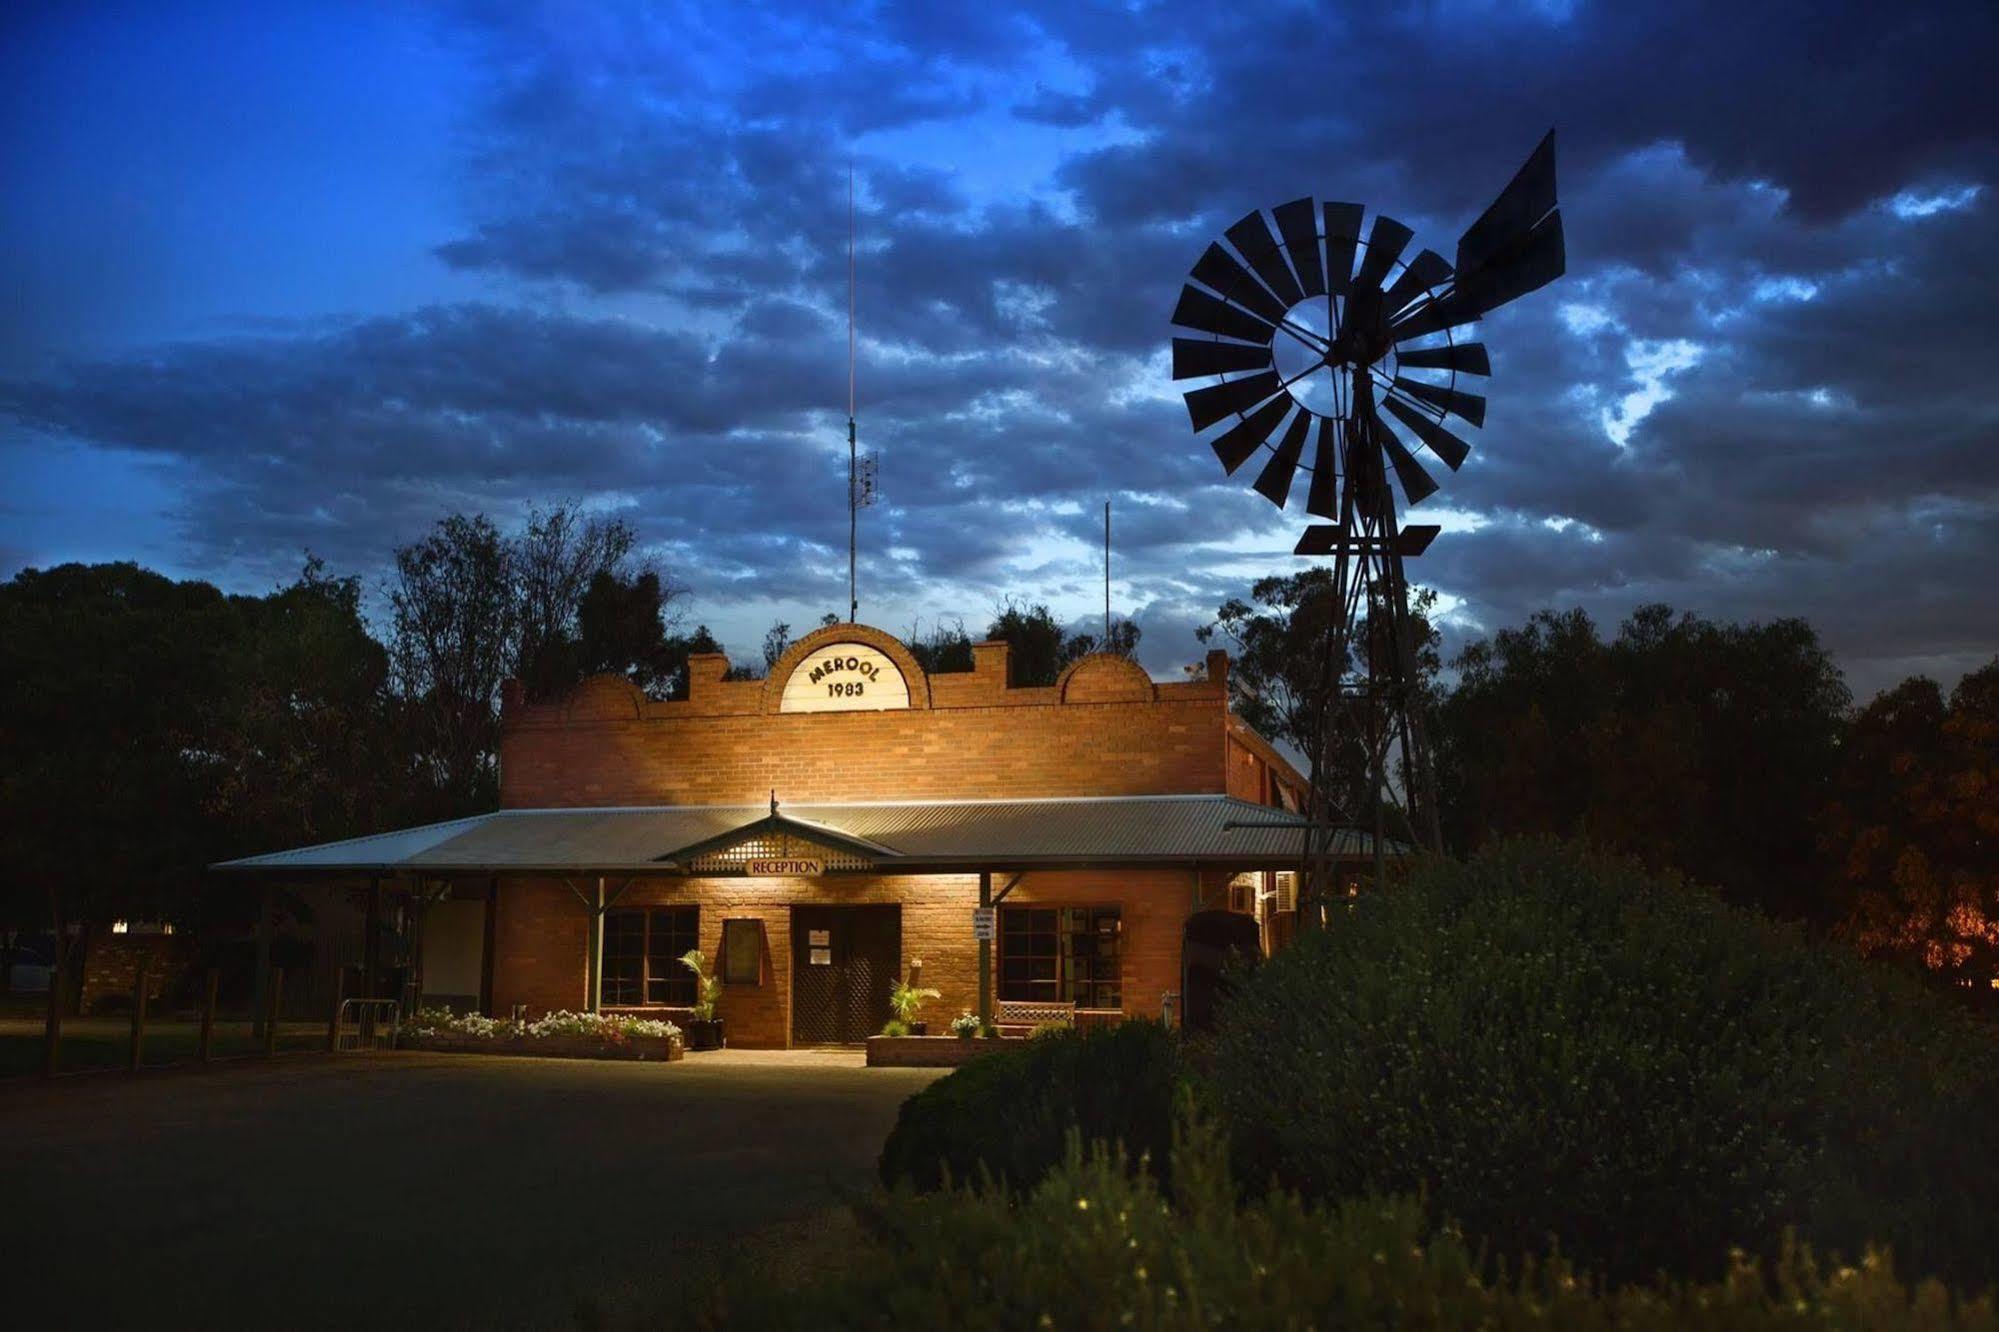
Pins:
<point x="642" y="952"/>
<point x="1060" y="955"/>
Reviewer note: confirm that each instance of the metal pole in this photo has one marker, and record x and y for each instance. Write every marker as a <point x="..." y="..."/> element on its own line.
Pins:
<point x="208" y="990"/>
<point x="1107" y="575"/>
<point x="58" y="981"/>
<point x="597" y="952"/>
<point x="265" y="908"/>
<point x="271" y="1011"/>
<point x="853" y="456"/>
<point x="371" y="956"/>
<point x="985" y="956"/>
<point x="139" y="1009"/>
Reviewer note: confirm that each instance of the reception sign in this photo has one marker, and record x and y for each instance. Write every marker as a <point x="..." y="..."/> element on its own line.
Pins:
<point x="845" y="677"/>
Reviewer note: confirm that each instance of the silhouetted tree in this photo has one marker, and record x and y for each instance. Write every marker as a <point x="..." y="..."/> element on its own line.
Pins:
<point x="1912" y="831"/>
<point x="1696" y="746"/>
<point x="945" y="649"/>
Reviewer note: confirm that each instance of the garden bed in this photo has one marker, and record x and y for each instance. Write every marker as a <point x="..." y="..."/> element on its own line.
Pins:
<point x="554" y="1047"/>
<point x="555" y="1036"/>
<point x="929" y="1051"/>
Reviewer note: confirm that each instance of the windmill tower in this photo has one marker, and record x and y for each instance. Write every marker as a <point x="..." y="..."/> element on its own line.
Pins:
<point x="1311" y="334"/>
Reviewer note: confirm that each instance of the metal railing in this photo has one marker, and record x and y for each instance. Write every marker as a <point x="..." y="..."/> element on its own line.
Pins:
<point x="365" y="1031"/>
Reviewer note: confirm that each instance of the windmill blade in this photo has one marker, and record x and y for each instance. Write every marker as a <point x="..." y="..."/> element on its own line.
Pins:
<point x="1438" y="440"/>
<point x="1324" y="497"/>
<point x="1539" y="259"/>
<point x="1417" y="483"/>
<point x="1385" y="241"/>
<point x="1218" y="269"/>
<point x="1211" y="314"/>
<point x="1465" y="358"/>
<point x="1447" y="311"/>
<point x="1426" y="271"/>
<point x="1342" y="234"/>
<point x="1230" y="397"/>
<point x="1234" y="445"/>
<point x="1251" y="237"/>
<point x="1275" y="482"/>
<point x="1195" y="358"/>
<point x="1527" y="198"/>
<point x="1470" y="406"/>
<point x="1298" y="222"/>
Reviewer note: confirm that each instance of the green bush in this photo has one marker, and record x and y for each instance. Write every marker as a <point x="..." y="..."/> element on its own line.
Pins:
<point x="1009" y="1112"/>
<point x="1097" y="1246"/>
<point x="1551" y="1043"/>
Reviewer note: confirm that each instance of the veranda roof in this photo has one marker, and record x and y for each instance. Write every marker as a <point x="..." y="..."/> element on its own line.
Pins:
<point x="903" y="836"/>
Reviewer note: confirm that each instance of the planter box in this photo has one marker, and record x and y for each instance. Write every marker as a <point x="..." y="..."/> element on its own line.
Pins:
<point x="928" y="1051"/>
<point x="659" y="1048"/>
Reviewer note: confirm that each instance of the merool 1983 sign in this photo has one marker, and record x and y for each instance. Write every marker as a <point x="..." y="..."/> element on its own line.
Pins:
<point x="845" y="677"/>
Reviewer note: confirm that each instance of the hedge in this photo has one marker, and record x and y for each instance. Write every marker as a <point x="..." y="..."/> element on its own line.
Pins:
<point x="1009" y="1113"/>
<point x="1097" y="1245"/>
<point x="1550" y="1043"/>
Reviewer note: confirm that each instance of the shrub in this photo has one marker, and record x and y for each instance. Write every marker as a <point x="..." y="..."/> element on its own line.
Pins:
<point x="1009" y="1112"/>
<point x="1097" y="1246"/>
<point x="1553" y="1043"/>
<point x="965" y="1026"/>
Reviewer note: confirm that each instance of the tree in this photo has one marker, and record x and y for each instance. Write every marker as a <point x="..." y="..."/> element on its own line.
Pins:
<point x="622" y="629"/>
<point x="1041" y="648"/>
<point x="1695" y="746"/>
<point x="1912" y="831"/>
<point x="776" y="640"/>
<point x="1281" y="684"/>
<point x="945" y="649"/>
<point x="556" y="559"/>
<point x="455" y="617"/>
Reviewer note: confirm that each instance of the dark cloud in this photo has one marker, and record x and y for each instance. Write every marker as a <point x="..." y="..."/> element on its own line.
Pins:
<point x="1763" y="388"/>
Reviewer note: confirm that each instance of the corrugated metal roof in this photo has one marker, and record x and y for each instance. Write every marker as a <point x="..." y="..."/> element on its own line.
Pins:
<point x="963" y="834"/>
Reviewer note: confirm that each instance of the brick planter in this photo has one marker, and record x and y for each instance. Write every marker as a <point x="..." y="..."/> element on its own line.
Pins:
<point x="658" y="1048"/>
<point x="928" y="1051"/>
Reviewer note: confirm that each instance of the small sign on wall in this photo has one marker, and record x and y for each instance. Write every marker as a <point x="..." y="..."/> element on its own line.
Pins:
<point x="983" y="924"/>
<point x="791" y="867"/>
<point x="822" y="957"/>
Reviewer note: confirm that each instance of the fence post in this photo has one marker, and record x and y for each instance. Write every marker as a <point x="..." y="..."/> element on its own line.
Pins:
<point x="271" y="1010"/>
<point x="333" y="1019"/>
<point x="139" y="1008"/>
<point x="208" y="1014"/>
<point x="58" y="986"/>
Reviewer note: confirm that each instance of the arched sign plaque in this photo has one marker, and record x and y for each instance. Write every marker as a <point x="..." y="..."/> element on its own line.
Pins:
<point x="845" y="677"/>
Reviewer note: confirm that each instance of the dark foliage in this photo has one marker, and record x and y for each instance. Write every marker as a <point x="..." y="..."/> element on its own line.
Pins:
<point x="1912" y="832"/>
<point x="1042" y="647"/>
<point x="1699" y="747"/>
<point x="1552" y="1043"/>
<point x="1096" y="1245"/>
<point x="1008" y="1113"/>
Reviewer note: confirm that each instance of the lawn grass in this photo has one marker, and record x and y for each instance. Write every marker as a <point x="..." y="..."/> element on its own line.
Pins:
<point x="96" y="1043"/>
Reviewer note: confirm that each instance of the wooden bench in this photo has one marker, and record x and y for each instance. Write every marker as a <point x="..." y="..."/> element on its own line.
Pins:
<point x="1017" y="1017"/>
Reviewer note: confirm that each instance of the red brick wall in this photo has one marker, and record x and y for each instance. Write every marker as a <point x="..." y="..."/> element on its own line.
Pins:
<point x="110" y="965"/>
<point x="1104" y="730"/>
<point x="542" y="936"/>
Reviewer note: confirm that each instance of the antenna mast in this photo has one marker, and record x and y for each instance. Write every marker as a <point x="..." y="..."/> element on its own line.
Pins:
<point x="860" y="471"/>
<point x="1107" y="575"/>
<point x="853" y="455"/>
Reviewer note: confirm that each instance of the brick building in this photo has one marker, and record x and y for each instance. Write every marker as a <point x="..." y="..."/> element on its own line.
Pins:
<point x="832" y="827"/>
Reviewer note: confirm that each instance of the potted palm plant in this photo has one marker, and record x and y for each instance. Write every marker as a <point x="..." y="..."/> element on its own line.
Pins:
<point x="704" y="1029"/>
<point x="904" y="1001"/>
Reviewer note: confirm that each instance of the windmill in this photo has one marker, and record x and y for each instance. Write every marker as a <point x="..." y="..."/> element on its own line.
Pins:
<point x="1321" y="334"/>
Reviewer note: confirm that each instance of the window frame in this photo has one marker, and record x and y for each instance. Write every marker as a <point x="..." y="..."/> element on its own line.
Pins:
<point x="1065" y="982"/>
<point x="664" y="971"/>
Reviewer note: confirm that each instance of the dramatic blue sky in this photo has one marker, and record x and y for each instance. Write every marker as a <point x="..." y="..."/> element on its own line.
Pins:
<point x="308" y="276"/>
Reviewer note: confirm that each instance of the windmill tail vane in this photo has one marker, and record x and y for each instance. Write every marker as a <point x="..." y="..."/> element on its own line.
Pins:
<point x="1324" y="350"/>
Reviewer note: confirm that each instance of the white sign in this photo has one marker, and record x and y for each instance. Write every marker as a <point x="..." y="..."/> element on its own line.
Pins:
<point x="845" y="677"/>
<point x="983" y="920"/>
<point x="796" y="867"/>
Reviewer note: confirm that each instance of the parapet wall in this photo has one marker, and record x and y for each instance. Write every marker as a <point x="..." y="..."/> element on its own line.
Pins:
<point x="1104" y="728"/>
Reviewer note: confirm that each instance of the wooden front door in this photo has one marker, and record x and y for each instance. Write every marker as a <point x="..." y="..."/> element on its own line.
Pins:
<point x="844" y="961"/>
